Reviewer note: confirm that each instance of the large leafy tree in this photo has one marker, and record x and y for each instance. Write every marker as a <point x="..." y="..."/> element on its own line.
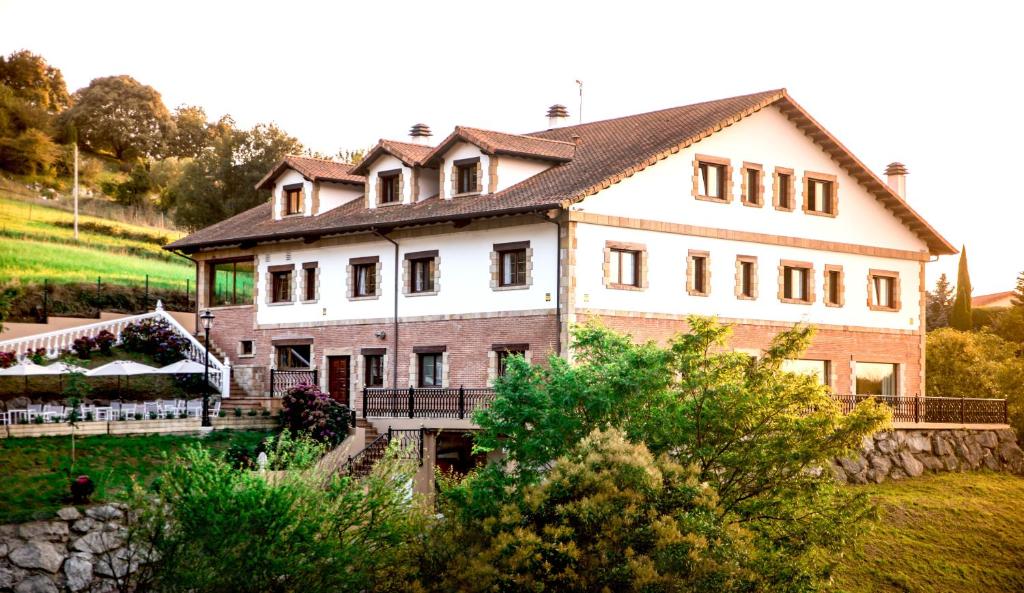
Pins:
<point x="192" y="133"/>
<point x="120" y="115"/>
<point x="34" y="80"/>
<point x="939" y="304"/>
<point x="760" y="437"/>
<point x="26" y="145"/>
<point x="961" y="316"/>
<point x="221" y="181"/>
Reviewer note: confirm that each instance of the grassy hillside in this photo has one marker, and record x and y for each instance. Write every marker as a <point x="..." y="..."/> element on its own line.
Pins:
<point x="939" y="533"/>
<point x="37" y="242"/>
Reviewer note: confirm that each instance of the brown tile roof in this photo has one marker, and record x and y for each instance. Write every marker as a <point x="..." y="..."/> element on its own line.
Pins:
<point x="313" y="169"/>
<point x="413" y="155"/>
<point x="608" y="151"/>
<point x="491" y="142"/>
<point x="985" y="300"/>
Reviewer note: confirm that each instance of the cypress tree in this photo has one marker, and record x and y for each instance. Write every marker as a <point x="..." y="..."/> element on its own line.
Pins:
<point x="1018" y="291"/>
<point x="961" y="318"/>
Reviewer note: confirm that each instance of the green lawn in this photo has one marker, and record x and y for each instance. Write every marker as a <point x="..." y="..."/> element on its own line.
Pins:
<point x="942" y="533"/>
<point x="35" y="471"/>
<point x="37" y="243"/>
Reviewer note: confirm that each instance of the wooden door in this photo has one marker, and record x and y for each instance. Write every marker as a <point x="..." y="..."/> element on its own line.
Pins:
<point x="338" y="378"/>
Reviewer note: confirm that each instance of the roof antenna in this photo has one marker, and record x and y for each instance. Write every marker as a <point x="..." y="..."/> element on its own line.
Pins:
<point x="579" y="83"/>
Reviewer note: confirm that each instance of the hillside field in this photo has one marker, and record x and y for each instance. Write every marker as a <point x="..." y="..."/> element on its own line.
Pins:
<point x="939" y="533"/>
<point x="37" y="243"/>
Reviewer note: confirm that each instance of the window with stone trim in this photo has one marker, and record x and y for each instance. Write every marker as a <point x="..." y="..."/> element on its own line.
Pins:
<point x="373" y="370"/>
<point x="876" y="378"/>
<point x="796" y="282"/>
<point x="467" y="177"/>
<point x="746" y="277"/>
<point x="625" y="265"/>
<point x="783" y="194"/>
<point x="698" y="273"/>
<point x="834" y="286"/>
<point x="420" y="273"/>
<point x="310" y="290"/>
<point x="883" y="290"/>
<point x="245" y="348"/>
<point x="292" y="198"/>
<point x="503" y="357"/>
<point x="820" y="197"/>
<point x="752" y="185"/>
<point x="712" y="178"/>
<point x="511" y="265"/>
<point x="430" y="369"/>
<point x="389" y="189"/>
<point x="281" y="286"/>
<point x="819" y="369"/>
<point x="293" y="356"/>
<point x="364" y="280"/>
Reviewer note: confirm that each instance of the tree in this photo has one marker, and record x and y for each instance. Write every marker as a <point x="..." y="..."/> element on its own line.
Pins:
<point x="1018" y="291"/>
<point x="960" y="317"/>
<point x="35" y="81"/>
<point x="351" y="156"/>
<point x="221" y="181"/>
<point x="26" y="145"/>
<point x="192" y="132"/>
<point x="122" y="116"/>
<point x="133" y="191"/>
<point x="939" y="304"/>
<point x="760" y="437"/>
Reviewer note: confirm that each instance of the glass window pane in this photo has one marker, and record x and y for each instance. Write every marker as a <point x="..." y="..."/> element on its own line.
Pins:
<point x="712" y="182"/>
<point x="613" y="266"/>
<point x="816" y="368"/>
<point x="628" y="267"/>
<point x="876" y="378"/>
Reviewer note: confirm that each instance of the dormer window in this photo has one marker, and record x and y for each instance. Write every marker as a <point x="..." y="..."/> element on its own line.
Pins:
<point x="467" y="178"/>
<point x="293" y="199"/>
<point x="389" y="187"/>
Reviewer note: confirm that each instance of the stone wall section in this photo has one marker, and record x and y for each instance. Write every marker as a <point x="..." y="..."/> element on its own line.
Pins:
<point x="906" y="453"/>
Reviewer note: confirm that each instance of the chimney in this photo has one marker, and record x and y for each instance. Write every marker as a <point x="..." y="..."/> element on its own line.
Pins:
<point x="557" y="116"/>
<point x="420" y="134"/>
<point x="896" y="176"/>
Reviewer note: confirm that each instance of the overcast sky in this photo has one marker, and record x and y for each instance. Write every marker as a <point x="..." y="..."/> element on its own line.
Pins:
<point x="934" y="85"/>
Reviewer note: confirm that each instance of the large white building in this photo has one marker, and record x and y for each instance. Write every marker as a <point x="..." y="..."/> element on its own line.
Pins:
<point x="425" y="265"/>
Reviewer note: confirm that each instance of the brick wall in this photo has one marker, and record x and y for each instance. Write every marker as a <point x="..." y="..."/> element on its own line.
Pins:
<point x="840" y="346"/>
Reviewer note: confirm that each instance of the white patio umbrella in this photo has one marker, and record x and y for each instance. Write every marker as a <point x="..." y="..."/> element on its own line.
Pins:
<point x="182" y="367"/>
<point x="26" y="368"/>
<point x="63" y="368"/>
<point x="122" y="368"/>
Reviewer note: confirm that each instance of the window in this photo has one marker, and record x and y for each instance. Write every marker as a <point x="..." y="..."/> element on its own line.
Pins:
<point x="624" y="267"/>
<point x="512" y="267"/>
<point x="820" y="194"/>
<point x="293" y="356"/>
<point x="712" y="180"/>
<point x="422" y="275"/>
<point x="466" y="176"/>
<point x="231" y="283"/>
<point x="876" y="378"/>
<point x="782" y="192"/>
<point x="818" y="369"/>
<point x="746" y="277"/>
<point x="309" y="281"/>
<point x="883" y="290"/>
<point x="752" y="189"/>
<point x="388" y="186"/>
<point x="281" y="286"/>
<point x="431" y="369"/>
<point x="293" y="199"/>
<point x="373" y="373"/>
<point x="503" y="357"/>
<point x="795" y="285"/>
<point x="698" y="273"/>
<point x="834" y="286"/>
<point x="245" y="348"/>
<point x="364" y="279"/>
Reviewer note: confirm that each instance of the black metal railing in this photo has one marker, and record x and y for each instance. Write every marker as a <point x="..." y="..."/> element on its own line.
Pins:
<point x="425" y="402"/>
<point x="958" y="410"/>
<point x="282" y="381"/>
<point x="410" y="445"/>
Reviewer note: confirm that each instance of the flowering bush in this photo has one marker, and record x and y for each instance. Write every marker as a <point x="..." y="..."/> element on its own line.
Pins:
<point x="83" y="346"/>
<point x="156" y="338"/>
<point x="82" y="488"/>
<point x="307" y="410"/>
<point x="7" y="359"/>
<point x="37" y="356"/>
<point x="104" y="341"/>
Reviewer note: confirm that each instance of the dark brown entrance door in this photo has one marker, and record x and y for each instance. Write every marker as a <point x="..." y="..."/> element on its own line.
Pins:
<point x="338" y="378"/>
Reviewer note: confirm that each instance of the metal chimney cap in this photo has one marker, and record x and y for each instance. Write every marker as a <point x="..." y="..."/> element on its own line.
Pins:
<point x="420" y="131"/>
<point x="896" y="168"/>
<point x="558" y="110"/>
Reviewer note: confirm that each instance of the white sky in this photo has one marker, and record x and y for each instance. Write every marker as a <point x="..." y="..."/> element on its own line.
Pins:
<point x="936" y="85"/>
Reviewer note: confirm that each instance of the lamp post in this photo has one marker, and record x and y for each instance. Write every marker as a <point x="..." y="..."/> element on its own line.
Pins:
<point x="207" y="320"/>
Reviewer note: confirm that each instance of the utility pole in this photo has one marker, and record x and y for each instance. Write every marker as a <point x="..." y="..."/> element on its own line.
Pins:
<point x="74" y="137"/>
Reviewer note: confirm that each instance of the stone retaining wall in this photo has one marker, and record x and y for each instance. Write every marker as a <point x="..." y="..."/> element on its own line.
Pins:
<point x="76" y="551"/>
<point x="903" y="453"/>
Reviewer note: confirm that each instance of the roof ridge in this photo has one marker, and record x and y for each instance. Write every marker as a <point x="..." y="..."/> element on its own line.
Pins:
<point x="528" y="136"/>
<point x="316" y="158"/>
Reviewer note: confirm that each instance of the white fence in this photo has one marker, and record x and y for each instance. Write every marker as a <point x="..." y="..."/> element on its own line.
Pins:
<point x="59" y="341"/>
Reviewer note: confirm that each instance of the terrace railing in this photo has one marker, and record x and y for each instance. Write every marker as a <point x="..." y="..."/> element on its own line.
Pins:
<point x="283" y="380"/>
<point x="410" y="444"/>
<point x="954" y="410"/>
<point x="425" y="402"/>
<point x="55" y="342"/>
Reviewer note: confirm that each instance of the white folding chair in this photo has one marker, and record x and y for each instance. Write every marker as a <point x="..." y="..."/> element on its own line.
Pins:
<point x="194" y="408"/>
<point x="129" y="410"/>
<point x="33" y="411"/>
<point x="151" y="408"/>
<point x="53" y="413"/>
<point x="215" y="409"/>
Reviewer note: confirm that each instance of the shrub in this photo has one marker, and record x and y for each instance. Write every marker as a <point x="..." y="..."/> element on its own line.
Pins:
<point x="307" y="410"/>
<point x="156" y="338"/>
<point x="82" y="488"/>
<point x="83" y="346"/>
<point x="37" y="356"/>
<point x="105" y="342"/>
<point x="7" y="359"/>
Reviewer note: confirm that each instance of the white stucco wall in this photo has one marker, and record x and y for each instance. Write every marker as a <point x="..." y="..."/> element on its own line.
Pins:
<point x="462" y="150"/>
<point x="663" y="191"/>
<point x="291" y="177"/>
<point x="428" y="180"/>
<point x="333" y="195"/>
<point x="464" y="277"/>
<point x="666" y="293"/>
<point x="512" y="170"/>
